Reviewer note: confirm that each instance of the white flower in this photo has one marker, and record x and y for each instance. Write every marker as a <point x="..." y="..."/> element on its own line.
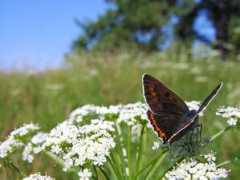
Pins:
<point x="210" y="157"/>
<point x="85" y="174"/>
<point x="194" y="169"/>
<point x="156" y="145"/>
<point x="37" y="176"/>
<point x="232" y="121"/>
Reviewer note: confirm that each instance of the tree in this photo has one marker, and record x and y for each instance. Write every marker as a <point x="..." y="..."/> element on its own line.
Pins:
<point x="223" y="14"/>
<point x="128" y="24"/>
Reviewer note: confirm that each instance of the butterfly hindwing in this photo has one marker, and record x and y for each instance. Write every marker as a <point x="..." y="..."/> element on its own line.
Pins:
<point x="164" y="124"/>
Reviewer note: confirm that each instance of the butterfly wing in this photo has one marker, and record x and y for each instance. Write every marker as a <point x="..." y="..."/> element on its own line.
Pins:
<point x="166" y="108"/>
<point x="210" y="97"/>
<point x="165" y="125"/>
<point x="161" y="99"/>
<point x="168" y="114"/>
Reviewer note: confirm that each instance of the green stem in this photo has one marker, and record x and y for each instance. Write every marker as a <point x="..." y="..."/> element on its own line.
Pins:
<point x="58" y="161"/>
<point x="155" y="166"/>
<point x="224" y="163"/>
<point x="104" y="173"/>
<point x="148" y="165"/>
<point x="95" y="171"/>
<point x="112" y="168"/>
<point x="55" y="158"/>
<point x="122" y="153"/>
<point x="140" y="150"/>
<point x="129" y="151"/>
<point x="219" y="133"/>
<point x="13" y="166"/>
<point x="117" y="163"/>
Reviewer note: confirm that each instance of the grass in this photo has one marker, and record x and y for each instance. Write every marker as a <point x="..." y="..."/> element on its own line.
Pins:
<point x="48" y="97"/>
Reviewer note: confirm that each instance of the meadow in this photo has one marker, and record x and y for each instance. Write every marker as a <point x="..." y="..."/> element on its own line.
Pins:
<point x="48" y="97"/>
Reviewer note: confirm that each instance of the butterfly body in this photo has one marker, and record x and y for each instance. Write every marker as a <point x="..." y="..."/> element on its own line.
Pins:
<point x="190" y="121"/>
<point x="168" y="113"/>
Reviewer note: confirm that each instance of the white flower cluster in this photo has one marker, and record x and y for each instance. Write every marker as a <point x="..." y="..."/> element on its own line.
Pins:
<point x="79" y="145"/>
<point x="231" y="113"/>
<point x="79" y="140"/>
<point x="38" y="176"/>
<point x="14" y="139"/>
<point x="228" y="112"/>
<point x="197" y="170"/>
<point x="126" y="113"/>
<point x="129" y="114"/>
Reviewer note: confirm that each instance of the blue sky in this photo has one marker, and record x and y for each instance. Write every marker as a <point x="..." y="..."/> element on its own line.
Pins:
<point x="37" y="34"/>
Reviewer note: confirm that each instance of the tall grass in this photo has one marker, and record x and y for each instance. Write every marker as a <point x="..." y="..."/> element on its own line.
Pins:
<point x="104" y="79"/>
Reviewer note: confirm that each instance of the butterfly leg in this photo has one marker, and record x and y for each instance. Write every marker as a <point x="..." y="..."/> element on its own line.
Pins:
<point x="194" y="138"/>
<point x="198" y="133"/>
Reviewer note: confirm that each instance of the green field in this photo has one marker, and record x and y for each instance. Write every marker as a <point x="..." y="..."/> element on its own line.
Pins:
<point x="103" y="79"/>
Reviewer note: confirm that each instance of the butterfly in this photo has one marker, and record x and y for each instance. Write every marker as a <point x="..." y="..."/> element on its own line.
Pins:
<point x="168" y="113"/>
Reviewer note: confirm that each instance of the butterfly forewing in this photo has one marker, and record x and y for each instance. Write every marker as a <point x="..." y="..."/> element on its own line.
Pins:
<point x="161" y="99"/>
<point x="165" y="124"/>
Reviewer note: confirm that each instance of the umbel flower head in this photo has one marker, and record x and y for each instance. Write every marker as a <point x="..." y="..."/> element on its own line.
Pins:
<point x="78" y="145"/>
<point x="197" y="170"/>
<point x="232" y="114"/>
<point x="16" y="138"/>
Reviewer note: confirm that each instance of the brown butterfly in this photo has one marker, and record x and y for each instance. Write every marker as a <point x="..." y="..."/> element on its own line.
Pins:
<point x="168" y="113"/>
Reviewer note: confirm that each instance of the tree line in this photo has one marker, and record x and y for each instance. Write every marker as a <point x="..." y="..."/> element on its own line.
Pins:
<point x="141" y="24"/>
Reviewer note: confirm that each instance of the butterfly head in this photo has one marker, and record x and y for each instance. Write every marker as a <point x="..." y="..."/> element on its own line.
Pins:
<point x="191" y="115"/>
